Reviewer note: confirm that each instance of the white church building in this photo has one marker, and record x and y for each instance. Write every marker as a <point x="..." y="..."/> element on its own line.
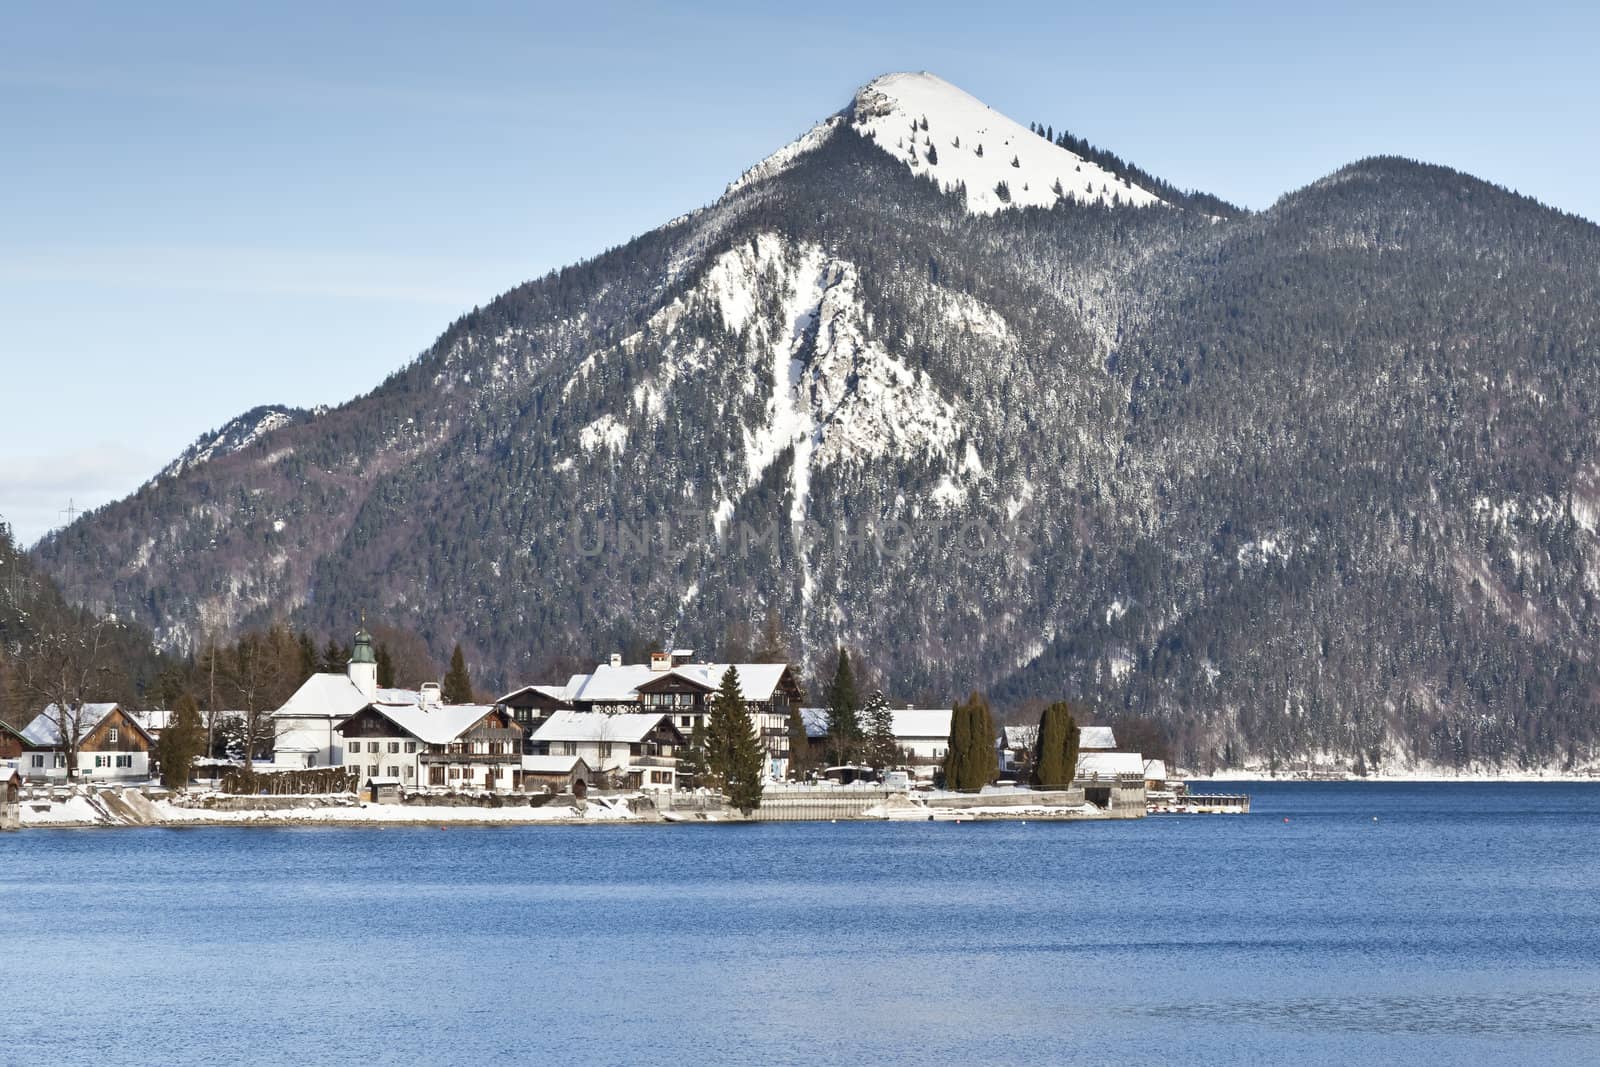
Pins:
<point x="307" y="725"/>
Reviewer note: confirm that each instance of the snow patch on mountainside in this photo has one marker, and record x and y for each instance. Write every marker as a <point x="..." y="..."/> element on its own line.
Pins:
<point x="940" y="131"/>
<point x="235" y="436"/>
<point x="604" y="432"/>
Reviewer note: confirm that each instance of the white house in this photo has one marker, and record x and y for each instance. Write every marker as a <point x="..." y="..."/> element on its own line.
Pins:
<point x="673" y="684"/>
<point x="640" y="747"/>
<point x="112" y="745"/>
<point x="307" y="726"/>
<point x="923" y="732"/>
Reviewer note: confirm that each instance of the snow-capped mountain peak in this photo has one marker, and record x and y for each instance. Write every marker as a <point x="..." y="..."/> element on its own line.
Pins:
<point x="941" y="131"/>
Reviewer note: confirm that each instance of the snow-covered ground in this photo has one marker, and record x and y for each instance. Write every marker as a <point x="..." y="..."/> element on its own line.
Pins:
<point x="82" y="810"/>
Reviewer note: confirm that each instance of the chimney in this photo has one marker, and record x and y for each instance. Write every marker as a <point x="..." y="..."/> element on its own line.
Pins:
<point x="430" y="695"/>
<point x="680" y="656"/>
<point x="660" y="661"/>
<point x="616" y="659"/>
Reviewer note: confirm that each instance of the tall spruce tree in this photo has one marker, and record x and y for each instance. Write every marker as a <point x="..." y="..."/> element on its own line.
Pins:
<point x="732" y="750"/>
<point x="880" y="748"/>
<point x="182" y="742"/>
<point x="309" y="662"/>
<point x="955" y="755"/>
<point x="385" y="666"/>
<point x="335" y="657"/>
<point x="457" y="687"/>
<point x="844" y="722"/>
<point x="1055" y="750"/>
<point x="799" y="746"/>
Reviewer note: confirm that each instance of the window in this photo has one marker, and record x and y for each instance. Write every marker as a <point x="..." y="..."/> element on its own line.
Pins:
<point x="411" y="748"/>
<point x="660" y="777"/>
<point x="569" y="748"/>
<point x="394" y="772"/>
<point x="354" y="747"/>
<point x="685" y="720"/>
<point x="111" y="735"/>
<point x="410" y="772"/>
<point x="605" y="749"/>
<point x="125" y="761"/>
<point x="38" y="760"/>
<point x="372" y="771"/>
<point x="394" y="746"/>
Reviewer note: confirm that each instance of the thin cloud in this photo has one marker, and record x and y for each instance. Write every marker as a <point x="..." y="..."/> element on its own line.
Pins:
<point x="271" y="272"/>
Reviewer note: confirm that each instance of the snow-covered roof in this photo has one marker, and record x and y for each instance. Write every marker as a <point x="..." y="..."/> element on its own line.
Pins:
<point x="608" y="684"/>
<point x="1109" y="764"/>
<point x="756" y="680"/>
<point x="551" y="764"/>
<point x="153" y="719"/>
<point x="629" y="728"/>
<point x="1096" y="738"/>
<point x="45" y="729"/>
<point x="1090" y="738"/>
<point x="554" y="692"/>
<point x="909" y="723"/>
<point x="334" y="696"/>
<point x="1155" y="770"/>
<point x="1021" y="737"/>
<point x="922" y="722"/>
<point x="438" y="724"/>
<point x="620" y="684"/>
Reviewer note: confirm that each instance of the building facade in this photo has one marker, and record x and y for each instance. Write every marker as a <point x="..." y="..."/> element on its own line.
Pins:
<point x="431" y="746"/>
<point x="112" y="745"/>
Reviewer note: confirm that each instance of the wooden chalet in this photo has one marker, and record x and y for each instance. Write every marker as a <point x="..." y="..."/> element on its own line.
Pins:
<point x="112" y="744"/>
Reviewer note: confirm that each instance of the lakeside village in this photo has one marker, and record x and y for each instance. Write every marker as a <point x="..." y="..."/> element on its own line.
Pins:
<point x="671" y="739"/>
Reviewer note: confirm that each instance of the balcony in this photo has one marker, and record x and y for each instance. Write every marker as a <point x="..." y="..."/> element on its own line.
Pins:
<point x="480" y="758"/>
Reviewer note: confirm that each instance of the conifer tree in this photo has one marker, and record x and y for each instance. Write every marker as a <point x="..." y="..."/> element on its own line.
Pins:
<point x="933" y="156"/>
<point x="775" y="645"/>
<point x="733" y="753"/>
<point x="308" y="656"/>
<point x="882" y="749"/>
<point x="385" y="666"/>
<point x="1055" y="750"/>
<point x="182" y="742"/>
<point x="335" y="657"/>
<point x="457" y="687"/>
<point x="799" y="746"/>
<point x="844" y="725"/>
<point x="981" y="765"/>
<point x="960" y="738"/>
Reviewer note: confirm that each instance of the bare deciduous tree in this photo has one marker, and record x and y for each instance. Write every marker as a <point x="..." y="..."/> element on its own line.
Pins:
<point x="65" y="667"/>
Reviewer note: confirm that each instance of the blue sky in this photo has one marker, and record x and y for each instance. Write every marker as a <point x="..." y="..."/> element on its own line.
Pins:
<point x="210" y="209"/>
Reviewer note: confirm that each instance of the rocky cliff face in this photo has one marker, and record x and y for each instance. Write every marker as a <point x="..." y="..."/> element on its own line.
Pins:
<point x="1316" y="482"/>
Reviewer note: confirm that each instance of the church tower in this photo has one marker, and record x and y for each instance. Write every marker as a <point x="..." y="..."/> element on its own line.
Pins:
<point x="364" y="665"/>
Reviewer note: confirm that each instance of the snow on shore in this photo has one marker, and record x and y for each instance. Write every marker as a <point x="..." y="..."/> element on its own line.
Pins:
<point x="84" y="811"/>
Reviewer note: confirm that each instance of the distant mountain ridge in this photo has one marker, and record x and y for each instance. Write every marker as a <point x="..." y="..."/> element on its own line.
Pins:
<point x="1317" y="482"/>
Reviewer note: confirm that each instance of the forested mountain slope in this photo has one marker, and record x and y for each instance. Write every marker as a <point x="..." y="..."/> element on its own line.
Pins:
<point x="1318" y="482"/>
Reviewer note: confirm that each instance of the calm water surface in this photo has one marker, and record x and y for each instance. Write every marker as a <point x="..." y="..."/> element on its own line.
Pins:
<point x="1463" y="924"/>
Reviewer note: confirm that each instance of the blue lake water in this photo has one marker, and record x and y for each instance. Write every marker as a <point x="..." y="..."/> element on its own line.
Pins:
<point x="1463" y="923"/>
